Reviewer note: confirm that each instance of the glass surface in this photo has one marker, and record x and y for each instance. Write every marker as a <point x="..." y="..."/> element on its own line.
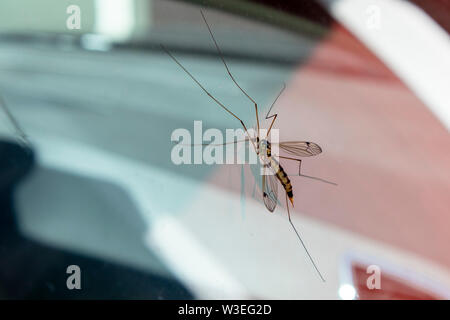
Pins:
<point x="90" y="103"/>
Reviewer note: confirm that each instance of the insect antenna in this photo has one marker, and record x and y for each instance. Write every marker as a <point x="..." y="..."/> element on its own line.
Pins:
<point x="301" y="241"/>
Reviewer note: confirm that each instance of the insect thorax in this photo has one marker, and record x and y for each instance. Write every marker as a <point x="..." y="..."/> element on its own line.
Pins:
<point x="264" y="151"/>
<point x="264" y="147"/>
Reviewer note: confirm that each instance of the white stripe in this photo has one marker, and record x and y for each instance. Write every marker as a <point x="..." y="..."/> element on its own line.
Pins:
<point x="408" y="41"/>
<point x="191" y="262"/>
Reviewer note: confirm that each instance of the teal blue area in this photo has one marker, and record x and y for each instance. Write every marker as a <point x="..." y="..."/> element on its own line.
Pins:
<point x="129" y="102"/>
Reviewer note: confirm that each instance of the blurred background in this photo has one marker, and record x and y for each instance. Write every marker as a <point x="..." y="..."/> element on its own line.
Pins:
<point x="89" y="101"/>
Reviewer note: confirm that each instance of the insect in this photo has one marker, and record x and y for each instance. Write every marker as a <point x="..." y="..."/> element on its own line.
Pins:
<point x="273" y="171"/>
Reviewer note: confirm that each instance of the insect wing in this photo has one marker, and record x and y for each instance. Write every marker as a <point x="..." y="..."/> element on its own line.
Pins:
<point x="301" y="148"/>
<point x="270" y="189"/>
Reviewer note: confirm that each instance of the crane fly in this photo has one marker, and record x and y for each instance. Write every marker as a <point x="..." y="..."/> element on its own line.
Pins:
<point x="262" y="146"/>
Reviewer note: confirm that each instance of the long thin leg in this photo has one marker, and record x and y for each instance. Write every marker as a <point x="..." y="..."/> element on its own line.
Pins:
<point x="23" y="137"/>
<point x="299" y="162"/>
<point x="216" y="144"/>
<point x="304" y="175"/>
<point x="207" y="92"/>
<point x="228" y="70"/>
<point x="300" y="238"/>
<point x="274" y="116"/>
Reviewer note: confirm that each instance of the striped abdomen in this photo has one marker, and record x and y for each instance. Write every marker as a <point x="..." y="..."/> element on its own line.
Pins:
<point x="280" y="173"/>
<point x="282" y="177"/>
